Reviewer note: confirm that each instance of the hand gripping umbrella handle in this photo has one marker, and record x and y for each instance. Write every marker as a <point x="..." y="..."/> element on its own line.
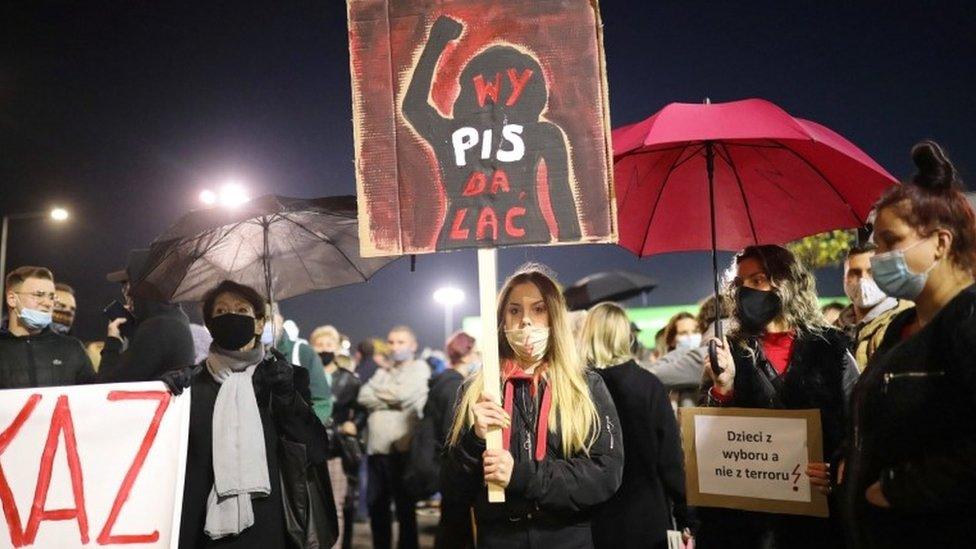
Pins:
<point x="713" y="357"/>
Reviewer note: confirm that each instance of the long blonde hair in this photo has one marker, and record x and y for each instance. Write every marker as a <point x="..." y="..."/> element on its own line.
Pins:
<point x="606" y="337"/>
<point x="573" y="412"/>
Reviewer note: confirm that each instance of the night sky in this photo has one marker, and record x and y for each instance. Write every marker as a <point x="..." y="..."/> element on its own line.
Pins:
<point x="124" y="112"/>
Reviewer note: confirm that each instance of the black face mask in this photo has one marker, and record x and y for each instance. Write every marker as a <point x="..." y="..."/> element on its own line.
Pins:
<point x="757" y="308"/>
<point x="232" y="331"/>
<point x="327" y="358"/>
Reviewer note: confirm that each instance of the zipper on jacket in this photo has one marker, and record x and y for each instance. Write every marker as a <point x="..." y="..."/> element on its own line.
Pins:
<point x="610" y="430"/>
<point x="528" y="443"/>
<point x="889" y="377"/>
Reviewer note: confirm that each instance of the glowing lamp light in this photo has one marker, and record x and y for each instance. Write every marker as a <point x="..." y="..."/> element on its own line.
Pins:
<point x="208" y="197"/>
<point x="449" y="296"/>
<point x="233" y="195"/>
<point x="59" y="214"/>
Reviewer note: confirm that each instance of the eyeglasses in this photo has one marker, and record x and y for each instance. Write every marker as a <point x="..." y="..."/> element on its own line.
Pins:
<point x="39" y="295"/>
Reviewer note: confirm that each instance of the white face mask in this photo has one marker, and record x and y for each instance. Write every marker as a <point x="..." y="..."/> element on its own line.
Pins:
<point x="529" y="343"/>
<point x="865" y="293"/>
<point x="688" y="341"/>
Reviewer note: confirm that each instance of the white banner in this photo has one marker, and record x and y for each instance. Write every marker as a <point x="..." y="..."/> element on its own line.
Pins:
<point x="92" y="465"/>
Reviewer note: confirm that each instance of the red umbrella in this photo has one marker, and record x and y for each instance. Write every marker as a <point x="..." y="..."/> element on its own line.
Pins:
<point x="726" y="175"/>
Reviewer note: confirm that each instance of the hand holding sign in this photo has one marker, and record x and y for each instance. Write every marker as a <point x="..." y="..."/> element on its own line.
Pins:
<point x="819" y="474"/>
<point x="489" y="415"/>
<point x="498" y="465"/>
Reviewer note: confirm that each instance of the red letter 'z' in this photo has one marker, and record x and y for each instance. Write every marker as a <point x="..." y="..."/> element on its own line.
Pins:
<point x="106" y="537"/>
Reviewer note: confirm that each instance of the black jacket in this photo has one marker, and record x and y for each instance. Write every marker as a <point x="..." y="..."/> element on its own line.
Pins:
<point x="422" y="477"/>
<point x="47" y="359"/>
<point x="820" y="375"/>
<point x="161" y="342"/>
<point x="290" y="419"/>
<point x="639" y="514"/>
<point x="345" y="391"/>
<point x="913" y="429"/>
<point x="549" y="503"/>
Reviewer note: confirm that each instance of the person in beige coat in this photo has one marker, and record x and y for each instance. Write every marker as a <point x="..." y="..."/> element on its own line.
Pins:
<point x="395" y="398"/>
<point x="866" y="319"/>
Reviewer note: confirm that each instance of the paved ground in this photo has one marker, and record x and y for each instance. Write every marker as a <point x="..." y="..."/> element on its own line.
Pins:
<point x="426" y="524"/>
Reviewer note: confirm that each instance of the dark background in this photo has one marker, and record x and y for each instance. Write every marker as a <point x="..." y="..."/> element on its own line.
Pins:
<point x="124" y="112"/>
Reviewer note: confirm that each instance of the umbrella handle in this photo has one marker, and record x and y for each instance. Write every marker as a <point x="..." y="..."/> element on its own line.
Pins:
<point x="713" y="357"/>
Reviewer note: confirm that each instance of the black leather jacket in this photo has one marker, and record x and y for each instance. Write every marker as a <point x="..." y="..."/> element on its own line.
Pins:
<point x="913" y="430"/>
<point x="345" y="391"/>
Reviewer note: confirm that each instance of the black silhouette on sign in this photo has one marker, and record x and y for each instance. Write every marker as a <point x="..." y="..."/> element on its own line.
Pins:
<point x="505" y="172"/>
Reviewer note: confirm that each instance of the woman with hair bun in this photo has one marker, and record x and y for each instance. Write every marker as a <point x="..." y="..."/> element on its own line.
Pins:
<point x="911" y="468"/>
<point x="781" y="355"/>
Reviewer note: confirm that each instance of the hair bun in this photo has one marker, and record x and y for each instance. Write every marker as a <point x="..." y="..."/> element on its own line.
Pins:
<point x="935" y="170"/>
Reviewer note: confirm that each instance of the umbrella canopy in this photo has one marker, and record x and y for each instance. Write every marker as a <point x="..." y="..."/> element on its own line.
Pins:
<point x="724" y="176"/>
<point x="607" y="286"/>
<point x="280" y="246"/>
<point x="776" y="178"/>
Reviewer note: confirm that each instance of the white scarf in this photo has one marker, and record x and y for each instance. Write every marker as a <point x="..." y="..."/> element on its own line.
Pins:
<point x="239" y="462"/>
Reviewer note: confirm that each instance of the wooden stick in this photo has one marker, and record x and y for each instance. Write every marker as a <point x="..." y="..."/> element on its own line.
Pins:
<point x="488" y="293"/>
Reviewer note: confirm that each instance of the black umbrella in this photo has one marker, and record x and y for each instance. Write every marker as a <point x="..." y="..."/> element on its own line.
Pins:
<point x="278" y="245"/>
<point x="607" y="286"/>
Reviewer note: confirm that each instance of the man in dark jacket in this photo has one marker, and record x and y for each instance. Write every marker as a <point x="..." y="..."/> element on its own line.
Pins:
<point x="31" y="355"/>
<point x="160" y="340"/>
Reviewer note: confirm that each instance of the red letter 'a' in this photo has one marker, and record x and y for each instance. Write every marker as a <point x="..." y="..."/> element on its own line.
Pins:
<point x="491" y="89"/>
<point x="499" y="182"/>
<point x="60" y="423"/>
<point x="106" y="537"/>
<point x="10" y="511"/>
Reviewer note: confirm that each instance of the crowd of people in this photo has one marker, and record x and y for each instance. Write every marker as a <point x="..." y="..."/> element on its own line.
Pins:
<point x="591" y="454"/>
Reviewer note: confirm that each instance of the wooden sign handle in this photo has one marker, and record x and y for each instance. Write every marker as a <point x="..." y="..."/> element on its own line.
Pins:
<point x="488" y="293"/>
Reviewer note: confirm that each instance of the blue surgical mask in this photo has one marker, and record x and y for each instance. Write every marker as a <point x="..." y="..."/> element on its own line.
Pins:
<point x="892" y="275"/>
<point x="267" y="335"/>
<point x="59" y="328"/>
<point x="32" y="319"/>
<point x="403" y="355"/>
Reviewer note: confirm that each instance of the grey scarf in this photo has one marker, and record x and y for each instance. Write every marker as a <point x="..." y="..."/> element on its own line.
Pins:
<point x="239" y="462"/>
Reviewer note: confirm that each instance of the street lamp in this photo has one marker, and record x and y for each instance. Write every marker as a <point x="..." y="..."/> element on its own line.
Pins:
<point x="208" y="197"/>
<point x="448" y="297"/>
<point x="57" y="214"/>
<point x="230" y="195"/>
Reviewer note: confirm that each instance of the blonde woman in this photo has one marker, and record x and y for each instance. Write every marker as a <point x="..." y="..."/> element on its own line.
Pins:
<point x="639" y="514"/>
<point x="781" y="355"/>
<point x="563" y="453"/>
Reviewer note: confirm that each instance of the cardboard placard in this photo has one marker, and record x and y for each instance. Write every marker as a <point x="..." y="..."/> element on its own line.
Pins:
<point x="752" y="459"/>
<point x="92" y="465"/>
<point x="479" y="123"/>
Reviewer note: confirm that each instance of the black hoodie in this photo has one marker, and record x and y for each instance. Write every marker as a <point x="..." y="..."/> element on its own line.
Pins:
<point x="161" y="342"/>
<point x="47" y="359"/>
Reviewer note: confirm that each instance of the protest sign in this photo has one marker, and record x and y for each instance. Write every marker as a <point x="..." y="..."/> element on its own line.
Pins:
<point x="92" y="465"/>
<point x="752" y="459"/>
<point x="479" y="123"/>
